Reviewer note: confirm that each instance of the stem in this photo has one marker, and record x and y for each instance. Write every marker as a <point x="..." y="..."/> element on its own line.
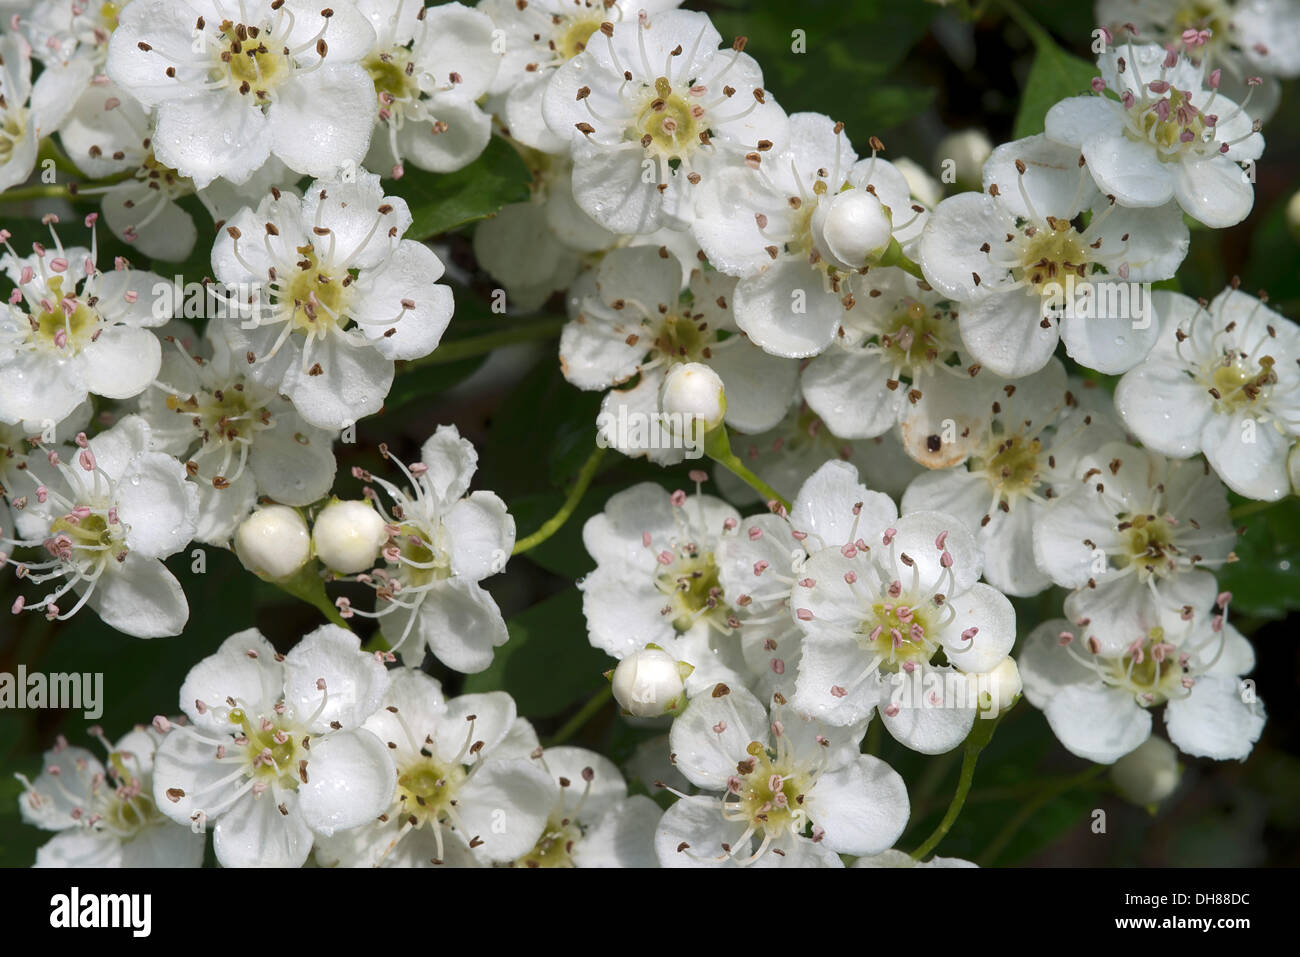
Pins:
<point x="1027" y="23"/>
<point x="472" y="346"/>
<point x="717" y="446"/>
<point x="307" y="586"/>
<point x="1003" y="838"/>
<point x="585" y="714"/>
<point x="52" y="191"/>
<point x="894" y="256"/>
<point x="976" y="741"/>
<point x="554" y="523"/>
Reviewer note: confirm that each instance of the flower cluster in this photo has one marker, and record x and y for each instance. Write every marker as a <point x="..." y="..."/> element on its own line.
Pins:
<point x="940" y="399"/>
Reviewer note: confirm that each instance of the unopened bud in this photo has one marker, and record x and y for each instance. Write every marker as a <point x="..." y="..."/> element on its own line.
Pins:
<point x="997" y="690"/>
<point x="347" y="536"/>
<point x="273" y="542"/>
<point x="851" y="228"/>
<point x="648" y="683"/>
<point x="1148" y="774"/>
<point x="693" y="390"/>
<point x="968" y="150"/>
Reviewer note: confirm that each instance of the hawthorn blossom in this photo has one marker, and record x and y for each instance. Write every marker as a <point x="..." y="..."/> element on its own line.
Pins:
<point x="685" y="574"/>
<point x="331" y="295"/>
<point x="769" y="227"/>
<point x="1099" y="703"/>
<point x="104" y="812"/>
<point x="233" y="84"/>
<point x="780" y="780"/>
<point x="105" y="522"/>
<point x="70" y="330"/>
<point x="1169" y="134"/>
<point x="1025" y="273"/>
<point x="880" y="601"/>
<point x="1024" y="452"/>
<point x="631" y="320"/>
<point x="441" y="543"/>
<point x="29" y="111"/>
<point x="238" y="440"/>
<point x="651" y="110"/>
<point x="594" y="822"/>
<point x="540" y="36"/>
<point x="274" y="752"/>
<point x="1222" y="379"/>
<point x="468" y="791"/>
<point x="429" y="65"/>
<point x="1136" y="539"/>
<point x="1241" y="38"/>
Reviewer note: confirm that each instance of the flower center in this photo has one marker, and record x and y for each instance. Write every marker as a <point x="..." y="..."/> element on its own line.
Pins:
<point x="12" y="129"/>
<point x="426" y="789"/>
<point x="914" y="336"/>
<point x="768" y="792"/>
<point x="666" y="122"/>
<point x="680" y="338"/>
<point x="162" y="177"/>
<point x="898" y="634"/>
<point x="1150" y="670"/>
<point x="248" y="58"/>
<point x="1011" y="464"/>
<point x="1050" y="253"/>
<point x="1235" y="385"/>
<point x="318" y="300"/>
<point x="275" y="757"/>
<point x="393" y="72"/>
<point x="555" y="847"/>
<point x="691" y="582"/>
<point x="89" y="536"/>
<point x="1148" y="544"/>
<point x="573" y="36"/>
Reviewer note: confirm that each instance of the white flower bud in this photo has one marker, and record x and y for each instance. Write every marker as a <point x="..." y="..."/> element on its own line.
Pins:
<point x="1293" y="215"/>
<point x="920" y="183"/>
<point x="1293" y="467"/>
<point x="998" y="689"/>
<point x="347" y="536"/>
<point x="851" y="228"/>
<point x="1148" y="774"/>
<point x="649" y="683"/>
<point x="273" y="542"/>
<point x="693" y="389"/>
<point x="968" y="150"/>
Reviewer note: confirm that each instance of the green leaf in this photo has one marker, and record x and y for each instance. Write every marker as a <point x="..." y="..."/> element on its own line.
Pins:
<point x="547" y="665"/>
<point x="1054" y="76"/>
<point x="1263" y="582"/>
<point x="443" y="201"/>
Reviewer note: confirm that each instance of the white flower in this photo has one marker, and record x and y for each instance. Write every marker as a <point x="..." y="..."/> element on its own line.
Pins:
<point x="968" y="150"/>
<point x="1165" y="137"/>
<point x="799" y="444"/>
<point x="467" y="789"/>
<point x="683" y="573"/>
<point x="630" y="318"/>
<point x="275" y="753"/>
<point x="1148" y="774"/>
<point x="429" y="66"/>
<point x="233" y="85"/>
<point x="273" y="542"/>
<point x="442" y="543"/>
<point x="594" y="822"/>
<point x="803" y="793"/>
<point x="763" y="225"/>
<point x="1222" y="379"/>
<point x="927" y="190"/>
<point x="694" y="391"/>
<point x="1134" y="539"/>
<point x="1023" y="450"/>
<point x="1240" y="38"/>
<point x="539" y="37"/>
<point x="239" y="440"/>
<point x="878" y="600"/>
<point x="29" y="112"/>
<point x="1015" y="260"/>
<point x="889" y="363"/>
<point x="339" y="295"/>
<point x="652" y="108"/>
<point x="105" y="815"/>
<point x="1099" y="703"/>
<point x="104" y="524"/>
<point x="346" y="536"/>
<point x="70" y="330"/>
<point x="107" y="134"/>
